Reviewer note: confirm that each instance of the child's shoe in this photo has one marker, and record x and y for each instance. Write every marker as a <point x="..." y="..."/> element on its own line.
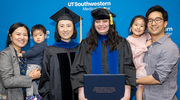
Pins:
<point x="31" y="98"/>
<point x="38" y="97"/>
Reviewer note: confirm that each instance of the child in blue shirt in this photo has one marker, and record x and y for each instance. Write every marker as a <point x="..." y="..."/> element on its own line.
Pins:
<point x="34" y="58"/>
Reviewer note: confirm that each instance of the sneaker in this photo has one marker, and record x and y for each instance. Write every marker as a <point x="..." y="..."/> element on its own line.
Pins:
<point x="38" y="97"/>
<point x="31" y="98"/>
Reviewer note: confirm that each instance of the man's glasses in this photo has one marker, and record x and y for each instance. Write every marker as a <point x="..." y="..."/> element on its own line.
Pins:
<point x="156" y="20"/>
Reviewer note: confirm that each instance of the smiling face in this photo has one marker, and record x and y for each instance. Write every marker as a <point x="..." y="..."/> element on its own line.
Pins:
<point x="65" y="29"/>
<point x="102" y="26"/>
<point x="138" y="27"/>
<point x="19" y="38"/>
<point x="38" y="36"/>
<point x="156" y="24"/>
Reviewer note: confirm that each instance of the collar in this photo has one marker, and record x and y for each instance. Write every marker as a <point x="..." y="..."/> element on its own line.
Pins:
<point x="102" y="37"/>
<point x="162" y="39"/>
<point x="66" y="45"/>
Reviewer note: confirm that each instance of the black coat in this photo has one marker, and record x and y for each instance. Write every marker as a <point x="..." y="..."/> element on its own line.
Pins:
<point x="82" y="63"/>
<point x="55" y="81"/>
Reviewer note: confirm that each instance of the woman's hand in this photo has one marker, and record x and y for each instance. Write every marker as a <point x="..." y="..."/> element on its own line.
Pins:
<point x="35" y="74"/>
<point x="81" y="95"/>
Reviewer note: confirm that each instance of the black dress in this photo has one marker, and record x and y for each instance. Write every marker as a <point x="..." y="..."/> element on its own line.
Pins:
<point x="55" y="81"/>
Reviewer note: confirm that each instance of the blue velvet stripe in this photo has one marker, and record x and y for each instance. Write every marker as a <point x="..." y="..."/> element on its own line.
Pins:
<point x="67" y="45"/>
<point x="113" y="61"/>
<point x="96" y="58"/>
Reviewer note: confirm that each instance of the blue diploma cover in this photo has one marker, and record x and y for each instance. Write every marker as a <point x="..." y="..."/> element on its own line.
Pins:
<point x="104" y="86"/>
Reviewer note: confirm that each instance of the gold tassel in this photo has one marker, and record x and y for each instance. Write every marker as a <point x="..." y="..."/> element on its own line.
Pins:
<point x="110" y="16"/>
<point x="111" y="19"/>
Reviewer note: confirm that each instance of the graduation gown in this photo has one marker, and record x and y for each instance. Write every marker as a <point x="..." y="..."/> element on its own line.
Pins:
<point x="55" y="81"/>
<point x="83" y="63"/>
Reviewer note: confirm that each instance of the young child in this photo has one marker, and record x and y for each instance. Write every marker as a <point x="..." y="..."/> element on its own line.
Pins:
<point x="34" y="58"/>
<point x="139" y="41"/>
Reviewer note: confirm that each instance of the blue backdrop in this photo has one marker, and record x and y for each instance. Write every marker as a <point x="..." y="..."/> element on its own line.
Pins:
<point x="31" y="12"/>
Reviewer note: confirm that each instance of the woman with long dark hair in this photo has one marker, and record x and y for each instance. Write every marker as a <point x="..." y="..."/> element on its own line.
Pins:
<point x="103" y="52"/>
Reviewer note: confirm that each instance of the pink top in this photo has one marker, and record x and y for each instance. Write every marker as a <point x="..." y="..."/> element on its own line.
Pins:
<point x="138" y="48"/>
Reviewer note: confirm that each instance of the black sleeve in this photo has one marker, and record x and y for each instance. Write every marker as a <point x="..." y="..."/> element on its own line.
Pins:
<point x="78" y="67"/>
<point x="128" y="65"/>
<point x="44" y="84"/>
<point x="34" y="51"/>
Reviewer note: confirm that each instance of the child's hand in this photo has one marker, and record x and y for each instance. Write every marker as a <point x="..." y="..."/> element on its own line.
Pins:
<point x="19" y="54"/>
<point x="148" y="43"/>
<point x="23" y="51"/>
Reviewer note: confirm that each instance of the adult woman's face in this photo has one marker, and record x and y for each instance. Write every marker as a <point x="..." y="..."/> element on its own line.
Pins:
<point x="19" y="38"/>
<point x="102" y="26"/>
<point x="65" y="29"/>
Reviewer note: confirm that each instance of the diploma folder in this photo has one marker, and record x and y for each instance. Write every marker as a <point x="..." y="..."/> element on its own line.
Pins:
<point x="104" y="86"/>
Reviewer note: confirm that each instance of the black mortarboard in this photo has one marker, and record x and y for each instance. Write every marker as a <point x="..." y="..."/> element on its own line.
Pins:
<point x="102" y="13"/>
<point x="65" y="14"/>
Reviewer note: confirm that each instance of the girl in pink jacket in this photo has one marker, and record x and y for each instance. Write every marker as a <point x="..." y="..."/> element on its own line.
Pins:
<point x="139" y="41"/>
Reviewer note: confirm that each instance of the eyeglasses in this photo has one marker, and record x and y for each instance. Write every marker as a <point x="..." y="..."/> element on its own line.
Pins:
<point x="156" y="20"/>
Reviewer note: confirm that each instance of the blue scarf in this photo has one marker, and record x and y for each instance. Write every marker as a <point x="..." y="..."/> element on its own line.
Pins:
<point x="96" y="58"/>
<point x="67" y="45"/>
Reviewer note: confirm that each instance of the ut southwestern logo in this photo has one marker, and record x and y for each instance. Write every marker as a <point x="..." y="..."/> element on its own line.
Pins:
<point x="88" y="6"/>
<point x="83" y="4"/>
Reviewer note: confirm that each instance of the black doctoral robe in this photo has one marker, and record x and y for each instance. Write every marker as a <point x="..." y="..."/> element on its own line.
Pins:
<point x="55" y="81"/>
<point x="83" y="63"/>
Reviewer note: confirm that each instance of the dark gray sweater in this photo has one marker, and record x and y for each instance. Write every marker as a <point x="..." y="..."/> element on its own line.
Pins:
<point x="35" y="54"/>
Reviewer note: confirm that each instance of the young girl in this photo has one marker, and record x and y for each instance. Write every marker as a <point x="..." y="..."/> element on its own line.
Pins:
<point x="139" y="41"/>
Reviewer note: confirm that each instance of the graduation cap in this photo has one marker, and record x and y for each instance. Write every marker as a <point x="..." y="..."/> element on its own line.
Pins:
<point x="67" y="14"/>
<point x="102" y="13"/>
